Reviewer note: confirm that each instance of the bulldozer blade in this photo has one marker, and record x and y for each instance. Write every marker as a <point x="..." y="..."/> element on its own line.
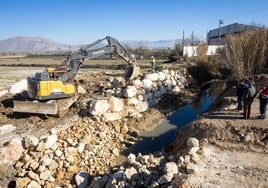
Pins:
<point x="35" y="107"/>
<point x="132" y="72"/>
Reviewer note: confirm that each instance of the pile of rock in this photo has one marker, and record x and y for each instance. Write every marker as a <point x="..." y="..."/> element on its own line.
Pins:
<point x="137" y="96"/>
<point x="87" y="146"/>
<point x="89" y="149"/>
<point x="150" y="170"/>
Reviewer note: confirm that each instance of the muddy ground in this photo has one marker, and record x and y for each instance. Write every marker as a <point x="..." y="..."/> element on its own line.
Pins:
<point x="234" y="152"/>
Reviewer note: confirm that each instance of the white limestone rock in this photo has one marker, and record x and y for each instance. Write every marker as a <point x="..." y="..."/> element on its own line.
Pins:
<point x="81" y="90"/>
<point x="137" y="83"/>
<point x="112" y="116"/>
<point x="176" y="90"/>
<point x="193" y="150"/>
<point x="7" y="128"/>
<point x="171" y="168"/>
<point x="192" y="168"/>
<point x="51" y="140"/>
<point x="116" y="104"/>
<point x="142" y="106"/>
<point x="153" y="76"/>
<point x="33" y="184"/>
<point x="11" y="152"/>
<point x="3" y="92"/>
<point x="98" y="107"/>
<point x="131" y="173"/>
<point x="132" y="101"/>
<point x="192" y="142"/>
<point x="130" y="91"/>
<point x="131" y="158"/>
<point x="161" y="76"/>
<point x="147" y="85"/>
<point x="18" y="87"/>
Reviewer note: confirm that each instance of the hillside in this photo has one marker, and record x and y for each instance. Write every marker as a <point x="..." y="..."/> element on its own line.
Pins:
<point x="31" y="44"/>
<point x="40" y="44"/>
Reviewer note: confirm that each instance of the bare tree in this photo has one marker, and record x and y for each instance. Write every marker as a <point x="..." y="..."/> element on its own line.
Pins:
<point x="247" y="53"/>
<point x="202" y="52"/>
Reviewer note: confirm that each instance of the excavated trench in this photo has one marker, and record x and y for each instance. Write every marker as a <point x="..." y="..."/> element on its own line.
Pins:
<point x="164" y="133"/>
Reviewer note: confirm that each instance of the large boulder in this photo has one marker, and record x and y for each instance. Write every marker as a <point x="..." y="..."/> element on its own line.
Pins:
<point x="147" y="84"/>
<point x="161" y="76"/>
<point x="130" y="91"/>
<point x="192" y="142"/>
<point x="98" y="107"/>
<point x="11" y="152"/>
<point x="142" y="106"/>
<point x="152" y="76"/>
<point x="137" y="83"/>
<point x="116" y="104"/>
<point x="18" y="87"/>
<point x="108" y="116"/>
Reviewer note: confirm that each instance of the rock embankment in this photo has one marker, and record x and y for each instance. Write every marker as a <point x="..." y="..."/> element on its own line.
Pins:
<point x="93" y="156"/>
<point x="131" y="100"/>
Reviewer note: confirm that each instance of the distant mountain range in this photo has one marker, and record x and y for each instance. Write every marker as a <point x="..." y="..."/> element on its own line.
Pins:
<point x="39" y="44"/>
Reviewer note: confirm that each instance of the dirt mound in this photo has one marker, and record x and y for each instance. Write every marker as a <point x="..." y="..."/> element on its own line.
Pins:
<point x="233" y="149"/>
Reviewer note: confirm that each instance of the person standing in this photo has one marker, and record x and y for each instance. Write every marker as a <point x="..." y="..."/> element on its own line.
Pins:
<point x="241" y="88"/>
<point x="153" y="64"/>
<point x="248" y="98"/>
<point x="263" y="97"/>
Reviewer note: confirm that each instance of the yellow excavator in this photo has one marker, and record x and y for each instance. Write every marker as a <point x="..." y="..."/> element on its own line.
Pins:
<point x="59" y="82"/>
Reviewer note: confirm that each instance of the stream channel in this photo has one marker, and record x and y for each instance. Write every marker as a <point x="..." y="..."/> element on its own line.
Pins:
<point x="165" y="132"/>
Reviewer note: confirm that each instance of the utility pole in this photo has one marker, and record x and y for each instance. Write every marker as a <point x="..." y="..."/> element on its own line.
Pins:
<point x="192" y="43"/>
<point x="192" y="38"/>
<point x="219" y="32"/>
<point x="182" y="42"/>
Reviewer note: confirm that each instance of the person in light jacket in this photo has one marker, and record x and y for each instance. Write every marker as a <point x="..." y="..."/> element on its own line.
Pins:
<point x="153" y="64"/>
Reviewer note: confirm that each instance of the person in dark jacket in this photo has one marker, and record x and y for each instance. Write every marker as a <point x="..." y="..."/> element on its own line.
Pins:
<point x="263" y="97"/>
<point x="241" y="88"/>
<point x="248" y="98"/>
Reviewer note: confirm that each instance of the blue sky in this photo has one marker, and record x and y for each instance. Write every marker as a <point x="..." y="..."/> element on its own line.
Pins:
<point x="84" y="21"/>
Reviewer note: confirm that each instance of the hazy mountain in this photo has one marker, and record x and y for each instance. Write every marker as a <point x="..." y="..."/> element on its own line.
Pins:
<point x="39" y="44"/>
<point x="31" y="44"/>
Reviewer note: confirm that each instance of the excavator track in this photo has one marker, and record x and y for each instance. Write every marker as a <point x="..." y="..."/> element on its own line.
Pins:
<point x="53" y="107"/>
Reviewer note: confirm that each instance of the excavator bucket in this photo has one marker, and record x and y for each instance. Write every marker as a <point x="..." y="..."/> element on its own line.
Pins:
<point x="35" y="107"/>
<point x="132" y="72"/>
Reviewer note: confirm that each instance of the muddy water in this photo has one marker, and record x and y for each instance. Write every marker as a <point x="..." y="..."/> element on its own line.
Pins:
<point x="165" y="133"/>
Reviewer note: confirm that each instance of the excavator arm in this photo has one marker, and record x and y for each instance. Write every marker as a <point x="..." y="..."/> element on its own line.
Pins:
<point x="74" y="61"/>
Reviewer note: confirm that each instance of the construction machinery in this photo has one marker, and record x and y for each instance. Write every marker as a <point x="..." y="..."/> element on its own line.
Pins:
<point x="59" y="82"/>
